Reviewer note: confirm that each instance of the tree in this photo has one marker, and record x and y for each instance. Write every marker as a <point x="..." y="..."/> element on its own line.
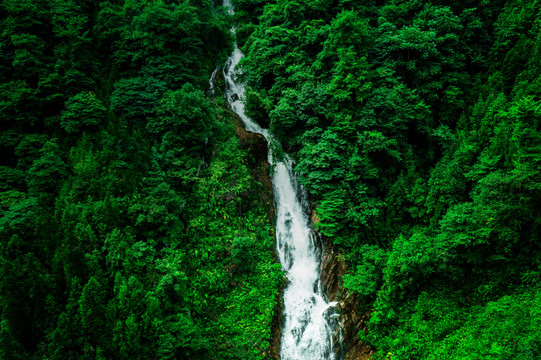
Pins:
<point x="186" y="113"/>
<point x="46" y="172"/>
<point x="83" y="111"/>
<point x="136" y="98"/>
<point x="92" y="306"/>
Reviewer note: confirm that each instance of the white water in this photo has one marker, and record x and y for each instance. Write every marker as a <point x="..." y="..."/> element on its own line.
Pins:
<point x="307" y="330"/>
<point x="211" y="81"/>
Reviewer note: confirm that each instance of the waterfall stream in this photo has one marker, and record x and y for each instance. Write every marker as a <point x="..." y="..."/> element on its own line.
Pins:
<point x="308" y="317"/>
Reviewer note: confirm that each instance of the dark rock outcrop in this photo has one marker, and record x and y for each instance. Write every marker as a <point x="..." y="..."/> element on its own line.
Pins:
<point x="351" y="316"/>
<point x="258" y="148"/>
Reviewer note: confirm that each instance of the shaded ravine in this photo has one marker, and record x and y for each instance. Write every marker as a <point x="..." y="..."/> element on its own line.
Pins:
<point x="309" y="319"/>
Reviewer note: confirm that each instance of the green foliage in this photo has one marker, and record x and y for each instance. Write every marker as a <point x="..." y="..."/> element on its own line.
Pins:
<point x="132" y="226"/>
<point x="83" y="111"/>
<point x="257" y="107"/>
<point x="243" y="251"/>
<point x="120" y="193"/>
<point x="46" y="172"/>
<point x="136" y="98"/>
<point x="346" y="87"/>
<point x="92" y="311"/>
<point x="368" y="276"/>
<point x="416" y="132"/>
<point x="491" y="331"/>
<point x="187" y="113"/>
<point x="28" y="53"/>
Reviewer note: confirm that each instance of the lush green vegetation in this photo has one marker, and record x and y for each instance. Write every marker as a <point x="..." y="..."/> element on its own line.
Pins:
<point x="416" y="129"/>
<point x="131" y="224"/>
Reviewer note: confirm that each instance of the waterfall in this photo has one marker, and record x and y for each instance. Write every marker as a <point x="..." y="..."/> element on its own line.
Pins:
<point x="211" y="82"/>
<point x="308" y="317"/>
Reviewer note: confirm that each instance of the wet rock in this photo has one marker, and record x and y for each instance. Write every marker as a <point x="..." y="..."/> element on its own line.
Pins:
<point x="352" y="319"/>
<point x="257" y="145"/>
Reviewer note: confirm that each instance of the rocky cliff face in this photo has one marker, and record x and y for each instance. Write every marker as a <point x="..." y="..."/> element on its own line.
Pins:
<point x="351" y="319"/>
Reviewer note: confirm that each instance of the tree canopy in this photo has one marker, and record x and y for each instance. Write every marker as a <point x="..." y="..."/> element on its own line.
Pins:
<point x="415" y="128"/>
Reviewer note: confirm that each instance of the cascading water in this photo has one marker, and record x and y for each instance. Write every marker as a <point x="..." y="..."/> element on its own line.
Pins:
<point x="212" y="79"/>
<point x="307" y="331"/>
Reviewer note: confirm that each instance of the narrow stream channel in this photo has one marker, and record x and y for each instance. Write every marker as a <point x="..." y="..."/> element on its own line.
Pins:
<point x="308" y="317"/>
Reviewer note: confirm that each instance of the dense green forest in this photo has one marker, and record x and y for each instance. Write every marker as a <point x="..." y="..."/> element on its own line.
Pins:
<point x="416" y="129"/>
<point x="132" y="224"/>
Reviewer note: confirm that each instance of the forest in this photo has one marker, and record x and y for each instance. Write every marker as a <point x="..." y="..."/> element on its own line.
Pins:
<point x="131" y="223"/>
<point x="416" y="130"/>
<point x="135" y="224"/>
